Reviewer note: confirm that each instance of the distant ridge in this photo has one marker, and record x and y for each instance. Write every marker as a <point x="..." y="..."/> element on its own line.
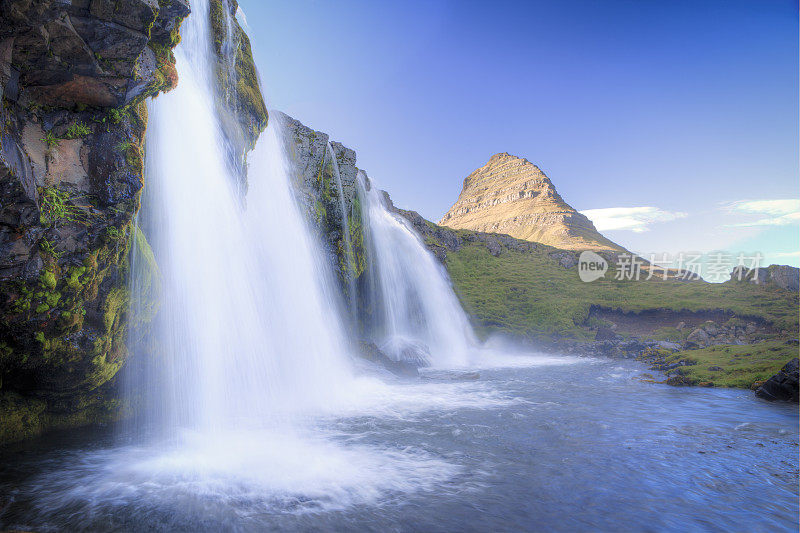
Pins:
<point x="511" y="195"/>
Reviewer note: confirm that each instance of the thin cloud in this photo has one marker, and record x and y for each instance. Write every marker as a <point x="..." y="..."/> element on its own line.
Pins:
<point x="782" y="212"/>
<point x="636" y="219"/>
<point x="783" y="255"/>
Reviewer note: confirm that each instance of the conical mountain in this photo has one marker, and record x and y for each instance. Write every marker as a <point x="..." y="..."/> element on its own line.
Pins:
<point x="511" y="195"/>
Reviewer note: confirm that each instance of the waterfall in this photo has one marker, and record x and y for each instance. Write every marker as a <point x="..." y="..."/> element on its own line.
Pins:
<point x="246" y="333"/>
<point x="228" y="49"/>
<point x="418" y="317"/>
<point x="348" y="273"/>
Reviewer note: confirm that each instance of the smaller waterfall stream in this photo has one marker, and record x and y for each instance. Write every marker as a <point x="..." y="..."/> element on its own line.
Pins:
<point x="419" y="316"/>
<point x="346" y="239"/>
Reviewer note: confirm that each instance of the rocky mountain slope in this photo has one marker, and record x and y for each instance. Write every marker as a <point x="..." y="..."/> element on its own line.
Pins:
<point x="74" y="78"/>
<point x="513" y="196"/>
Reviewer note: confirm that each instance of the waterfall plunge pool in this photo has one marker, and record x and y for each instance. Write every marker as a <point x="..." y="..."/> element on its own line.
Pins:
<point x="535" y="444"/>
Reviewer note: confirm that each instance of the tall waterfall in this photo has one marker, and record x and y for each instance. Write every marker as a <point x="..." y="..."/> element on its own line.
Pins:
<point x="418" y="315"/>
<point x="246" y="327"/>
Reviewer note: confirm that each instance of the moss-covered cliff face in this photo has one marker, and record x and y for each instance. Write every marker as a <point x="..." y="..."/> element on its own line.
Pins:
<point x="240" y="104"/>
<point x="74" y="77"/>
<point x="314" y="180"/>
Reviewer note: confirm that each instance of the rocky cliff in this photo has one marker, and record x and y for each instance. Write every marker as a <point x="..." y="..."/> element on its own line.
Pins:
<point x="314" y="172"/>
<point x="240" y="104"/>
<point x="513" y="196"/>
<point x="74" y="77"/>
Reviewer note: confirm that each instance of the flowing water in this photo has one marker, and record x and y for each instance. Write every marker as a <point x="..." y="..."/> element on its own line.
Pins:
<point x="345" y="226"/>
<point x="416" y="308"/>
<point x="255" y="416"/>
<point x="245" y="321"/>
<point x="552" y="444"/>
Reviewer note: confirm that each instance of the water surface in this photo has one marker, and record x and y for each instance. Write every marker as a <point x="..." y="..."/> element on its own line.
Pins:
<point x="549" y="445"/>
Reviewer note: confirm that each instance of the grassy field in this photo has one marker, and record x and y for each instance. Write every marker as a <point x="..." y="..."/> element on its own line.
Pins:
<point x="529" y="294"/>
<point x="732" y="366"/>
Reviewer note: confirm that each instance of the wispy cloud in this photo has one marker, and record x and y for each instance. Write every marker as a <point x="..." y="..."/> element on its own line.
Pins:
<point x="783" y="255"/>
<point x="779" y="212"/>
<point x="637" y="219"/>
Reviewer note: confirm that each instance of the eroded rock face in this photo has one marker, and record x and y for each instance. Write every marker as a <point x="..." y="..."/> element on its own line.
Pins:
<point x="513" y="196"/>
<point x="74" y="77"/>
<point x="784" y="276"/>
<point x="92" y="52"/>
<point x="314" y="181"/>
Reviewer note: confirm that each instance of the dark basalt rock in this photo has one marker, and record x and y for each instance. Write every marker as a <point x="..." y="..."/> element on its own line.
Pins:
<point x="605" y="334"/>
<point x="73" y="77"/>
<point x="87" y="53"/>
<point x="783" y="386"/>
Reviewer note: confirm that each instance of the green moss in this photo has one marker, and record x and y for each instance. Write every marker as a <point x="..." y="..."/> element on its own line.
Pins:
<point x="732" y="365"/>
<point x="49" y="249"/>
<point x="74" y="278"/>
<point x="116" y="302"/>
<point x="48" y="279"/>
<point x="116" y="116"/>
<point x="146" y="279"/>
<point x="248" y="99"/>
<point x="77" y="130"/>
<point x="52" y="298"/>
<point x="20" y="417"/>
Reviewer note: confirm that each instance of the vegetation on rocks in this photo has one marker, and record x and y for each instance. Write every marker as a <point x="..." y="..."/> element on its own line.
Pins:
<point x="236" y="71"/>
<point x="315" y="181"/>
<point x="69" y="196"/>
<point x="726" y="365"/>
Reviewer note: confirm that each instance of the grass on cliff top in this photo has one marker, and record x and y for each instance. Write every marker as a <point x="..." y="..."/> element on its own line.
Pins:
<point x="529" y="294"/>
<point x="734" y="366"/>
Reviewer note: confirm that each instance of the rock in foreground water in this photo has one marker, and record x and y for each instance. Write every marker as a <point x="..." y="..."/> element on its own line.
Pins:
<point x="783" y="386"/>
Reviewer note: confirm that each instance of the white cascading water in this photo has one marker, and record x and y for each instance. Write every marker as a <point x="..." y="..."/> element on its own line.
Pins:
<point x="246" y="322"/>
<point x="345" y="227"/>
<point x="414" y="299"/>
<point x="248" y="377"/>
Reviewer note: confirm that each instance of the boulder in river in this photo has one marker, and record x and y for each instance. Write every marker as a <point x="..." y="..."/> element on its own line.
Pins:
<point x="411" y="351"/>
<point x="783" y="386"/>
<point x="371" y="352"/>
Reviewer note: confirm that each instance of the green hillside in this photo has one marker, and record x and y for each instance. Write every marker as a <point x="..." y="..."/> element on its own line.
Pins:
<point x="530" y="294"/>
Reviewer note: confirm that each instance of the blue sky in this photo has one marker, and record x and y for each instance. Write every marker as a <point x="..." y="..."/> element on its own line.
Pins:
<point x="673" y="124"/>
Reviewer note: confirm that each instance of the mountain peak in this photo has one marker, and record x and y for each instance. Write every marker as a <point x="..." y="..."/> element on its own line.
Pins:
<point x="511" y="195"/>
